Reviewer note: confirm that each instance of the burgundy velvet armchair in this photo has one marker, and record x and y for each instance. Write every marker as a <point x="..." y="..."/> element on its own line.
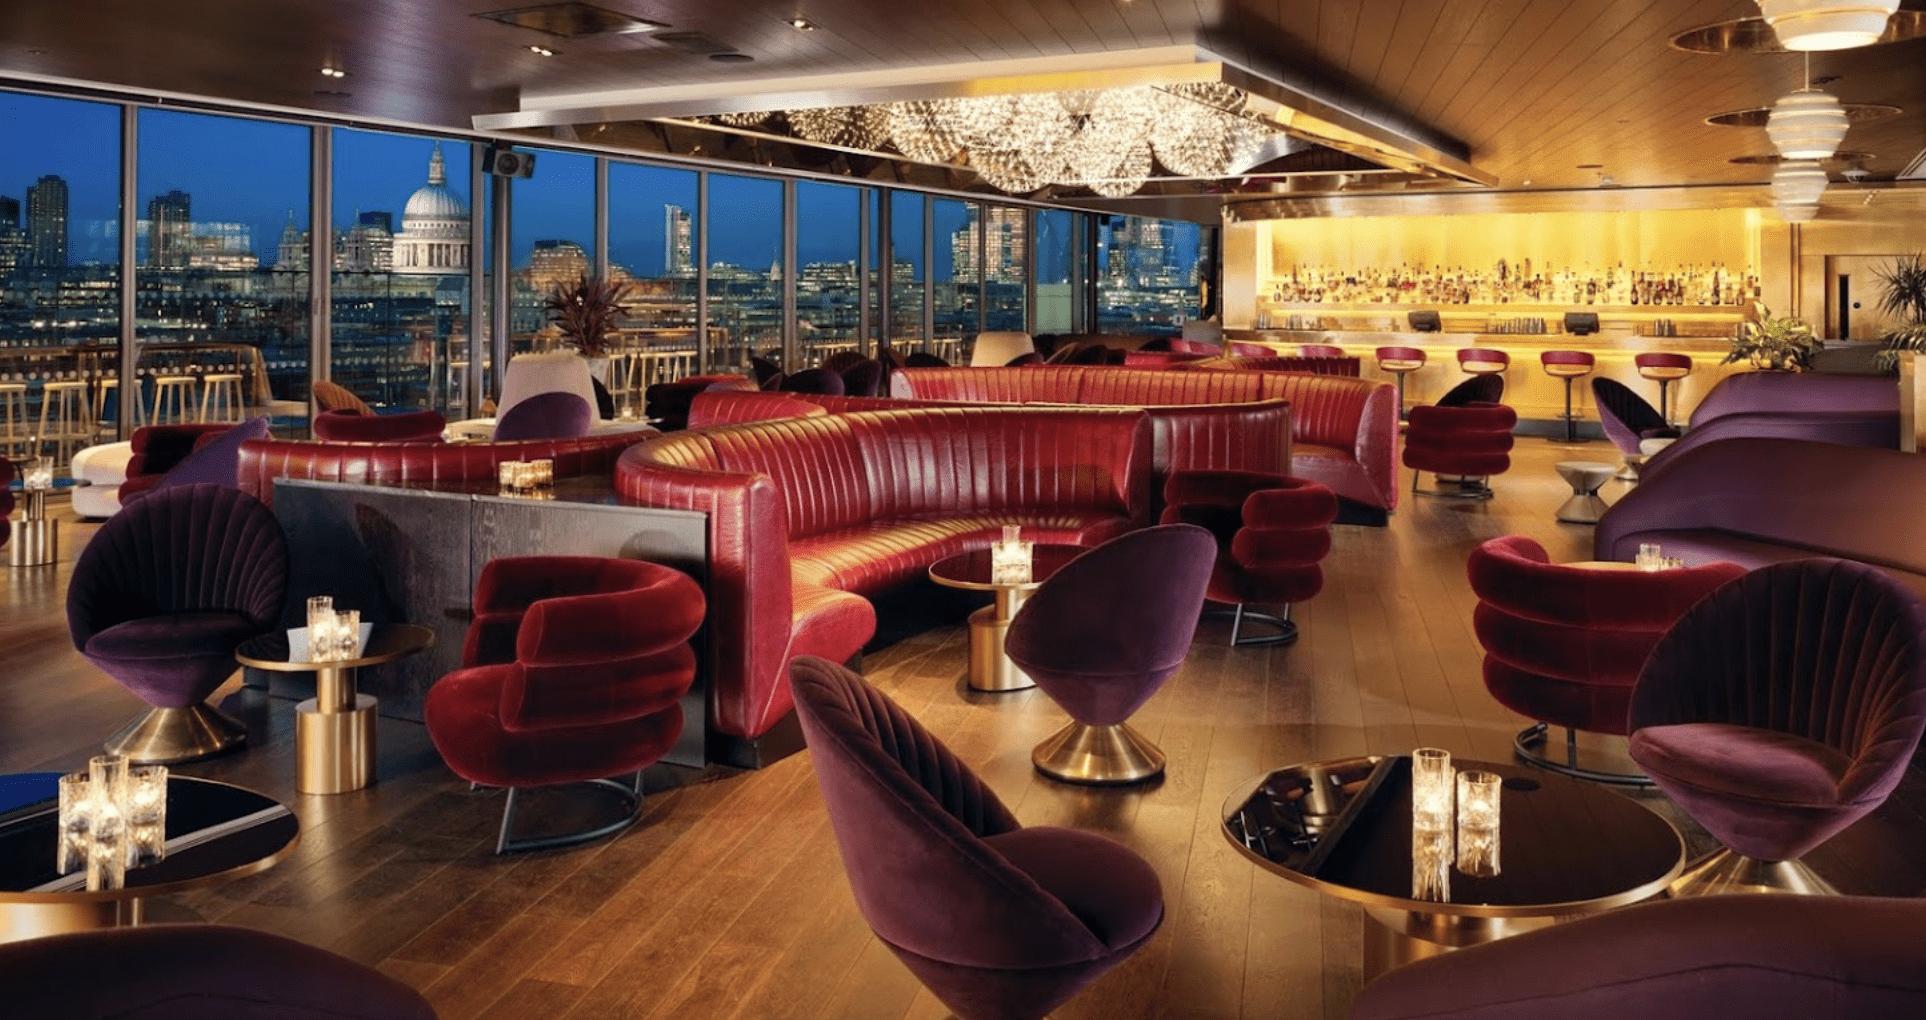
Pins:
<point x="1468" y="443"/>
<point x="999" y="921"/>
<point x="573" y="672"/>
<point x="353" y="427"/>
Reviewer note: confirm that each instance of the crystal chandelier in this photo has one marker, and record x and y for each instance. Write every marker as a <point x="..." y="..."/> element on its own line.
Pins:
<point x="1107" y="140"/>
<point x="1827" y="24"/>
<point x="1807" y="125"/>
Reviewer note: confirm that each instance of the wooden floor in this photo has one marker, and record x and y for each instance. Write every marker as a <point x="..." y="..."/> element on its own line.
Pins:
<point x="728" y="899"/>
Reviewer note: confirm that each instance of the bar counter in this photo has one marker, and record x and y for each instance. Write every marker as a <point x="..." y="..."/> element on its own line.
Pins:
<point x="1528" y="389"/>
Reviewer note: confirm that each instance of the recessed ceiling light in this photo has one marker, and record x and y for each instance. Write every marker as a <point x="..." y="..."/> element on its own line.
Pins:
<point x="540" y="50"/>
<point x="333" y="72"/>
<point x="802" y="24"/>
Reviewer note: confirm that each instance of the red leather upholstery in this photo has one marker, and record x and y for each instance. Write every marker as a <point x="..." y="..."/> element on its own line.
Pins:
<point x="1471" y="440"/>
<point x="808" y="515"/>
<point x="1160" y="359"/>
<point x="264" y="460"/>
<point x="1316" y="365"/>
<point x="1344" y="431"/>
<point x="349" y="427"/>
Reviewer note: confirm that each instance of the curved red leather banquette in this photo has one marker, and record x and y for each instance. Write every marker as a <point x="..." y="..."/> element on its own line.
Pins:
<point x="264" y="460"/>
<point x="809" y="515"/>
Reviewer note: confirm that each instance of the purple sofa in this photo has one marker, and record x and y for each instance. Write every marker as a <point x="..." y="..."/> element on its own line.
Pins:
<point x="1788" y="392"/>
<point x="1761" y="501"/>
<point x="1844" y="428"/>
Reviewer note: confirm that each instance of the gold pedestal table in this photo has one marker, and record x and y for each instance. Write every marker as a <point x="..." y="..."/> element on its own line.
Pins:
<point x="36" y="537"/>
<point x="1343" y="827"/>
<point x="334" y="731"/>
<point x="214" y="833"/>
<point x="990" y="668"/>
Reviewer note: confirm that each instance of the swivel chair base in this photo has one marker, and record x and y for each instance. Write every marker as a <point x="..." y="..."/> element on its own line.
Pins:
<point x="1448" y="487"/>
<point x="1098" y="755"/>
<point x="168" y="736"/>
<point x="1530" y="746"/>
<point x="631" y="798"/>
<point x="1286" y="627"/>
<point x="1726" y="872"/>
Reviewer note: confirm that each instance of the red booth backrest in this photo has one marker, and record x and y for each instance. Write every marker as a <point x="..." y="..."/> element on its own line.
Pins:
<point x="264" y="460"/>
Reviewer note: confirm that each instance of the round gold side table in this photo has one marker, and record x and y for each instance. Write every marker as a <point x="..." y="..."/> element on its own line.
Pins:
<point x="334" y="731"/>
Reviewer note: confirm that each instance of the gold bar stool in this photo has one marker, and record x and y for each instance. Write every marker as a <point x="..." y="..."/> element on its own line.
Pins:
<point x="174" y="401"/>
<point x="221" y="397"/>
<point x="13" y="420"/>
<point x="1665" y="367"/>
<point x="65" y="415"/>
<point x="1569" y="366"/>
<point x="1400" y="361"/>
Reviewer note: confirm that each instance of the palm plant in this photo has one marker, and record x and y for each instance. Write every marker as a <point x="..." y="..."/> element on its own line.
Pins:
<point x="1774" y="344"/>
<point x="1905" y="300"/>
<point x="586" y="311"/>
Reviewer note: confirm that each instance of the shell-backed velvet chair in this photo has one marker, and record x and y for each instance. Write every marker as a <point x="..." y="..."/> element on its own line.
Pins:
<point x="1272" y="531"/>
<point x="161" y="597"/>
<point x="1023" y="360"/>
<point x="1564" y="644"/>
<point x="180" y="971"/>
<point x="1780" y="709"/>
<point x="842" y="361"/>
<point x="667" y="403"/>
<point x="863" y="378"/>
<point x="997" y="348"/>
<point x="1813" y="958"/>
<point x="1479" y="389"/>
<point x="1628" y="421"/>
<point x="1101" y="635"/>
<point x="1000" y="922"/>
<point x="573" y="671"/>
<point x="819" y="381"/>
<point x="410" y="427"/>
<point x="551" y="415"/>
<point x="768" y="374"/>
<point x="924" y="359"/>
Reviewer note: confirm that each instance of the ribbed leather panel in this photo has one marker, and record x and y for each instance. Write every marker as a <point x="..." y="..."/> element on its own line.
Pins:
<point x="815" y="463"/>
<point x="1242" y="437"/>
<point x="1059" y="384"/>
<point x="882" y="554"/>
<point x="1149" y="387"/>
<point x="1314" y="366"/>
<point x="264" y="460"/>
<point x="733" y="407"/>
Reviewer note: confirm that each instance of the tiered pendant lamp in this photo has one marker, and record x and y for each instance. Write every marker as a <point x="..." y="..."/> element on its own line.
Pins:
<point x="1827" y="24"/>
<point x="1807" y="124"/>
<point x="1796" y="188"/>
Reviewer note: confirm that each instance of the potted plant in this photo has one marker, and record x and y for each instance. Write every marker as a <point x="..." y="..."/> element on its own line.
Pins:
<point x="585" y="312"/>
<point x="1774" y="343"/>
<point x="1904" y="301"/>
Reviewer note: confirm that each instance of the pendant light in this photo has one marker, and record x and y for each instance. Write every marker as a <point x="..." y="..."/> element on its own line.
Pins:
<point x="1798" y="213"/>
<point x="1807" y="124"/>
<point x="1800" y="182"/>
<point x="1827" y="24"/>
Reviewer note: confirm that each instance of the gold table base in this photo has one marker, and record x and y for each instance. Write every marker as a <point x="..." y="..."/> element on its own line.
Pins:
<point x="21" y="921"/>
<point x="335" y="751"/>
<point x="36" y="543"/>
<point x="1393" y="938"/>
<point x="990" y="667"/>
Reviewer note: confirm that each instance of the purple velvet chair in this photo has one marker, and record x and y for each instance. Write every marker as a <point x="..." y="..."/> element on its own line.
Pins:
<point x="1628" y="421"/>
<point x="1758" y="957"/>
<point x="1101" y="635"/>
<point x="1272" y="531"/>
<point x="193" y="971"/>
<point x="863" y="379"/>
<point x="161" y="597"/>
<point x="407" y="427"/>
<point x="552" y="415"/>
<point x="1000" y="922"/>
<point x="572" y="672"/>
<point x="1789" y="392"/>
<point x="1564" y="645"/>
<point x="1780" y="709"/>
<point x="767" y="373"/>
<point x="1479" y="389"/>
<point x="924" y="359"/>
<point x="820" y="381"/>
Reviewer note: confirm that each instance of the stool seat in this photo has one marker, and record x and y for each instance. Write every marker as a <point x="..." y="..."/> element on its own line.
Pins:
<point x="1569" y="366"/>
<point x="1400" y="361"/>
<point x="1568" y="371"/>
<point x="1585" y="477"/>
<point x="1399" y="365"/>
<point x="1483" y="361"/>
<point x="1665" y="367"/>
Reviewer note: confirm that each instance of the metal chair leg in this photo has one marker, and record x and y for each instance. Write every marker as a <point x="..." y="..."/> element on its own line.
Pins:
<point x="631" y="795"/>
<point x="1286" y="627"/>
<point x="1537" y="734"/>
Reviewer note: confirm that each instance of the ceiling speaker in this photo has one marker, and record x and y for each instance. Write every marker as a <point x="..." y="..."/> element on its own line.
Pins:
<point x="508" y="163"/>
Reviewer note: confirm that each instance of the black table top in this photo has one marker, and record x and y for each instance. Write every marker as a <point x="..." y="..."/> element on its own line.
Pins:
<point x="1344" y="827"/>
<point x="972" y="569"/>
<point x="386" y="643"/>
<point x="214" y="832"/>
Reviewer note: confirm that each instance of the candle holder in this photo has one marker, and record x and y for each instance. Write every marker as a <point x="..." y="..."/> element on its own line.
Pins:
<point x="37" y="474"/>
<point x="1431" y="790"/>
<point x="111" y="818"/>
<point x="145" y="812"/>
<point x="1478" y="813"/>
<point x="509" y="474"/>
<point x="1649" y="558"/>
<point x="1431" y="865"/>
<point x="1010" y="558"/>
<point x="541" y="473"/>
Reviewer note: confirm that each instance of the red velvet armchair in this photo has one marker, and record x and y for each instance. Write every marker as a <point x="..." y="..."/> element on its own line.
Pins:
<point x="354" y="427"/>
<point x="573" y="672"/>
<point x="1469" y="443"/>
<point x="1271" y="530"/>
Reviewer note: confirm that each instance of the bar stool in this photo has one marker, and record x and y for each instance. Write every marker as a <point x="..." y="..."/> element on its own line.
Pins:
<point x="65" y="417"/>
<point x="179" y="391"/>
<point x="1320" y="351"/>
<point x="1400" y="361"/>
<point x="1569" y="366"/>
<point x="13" y="420"/>
<point x="105" y="388"/>
<point x="222" y="397"/>
<point x="1483" y="361"/>
<point x="457" y="388"/>
<point x="1665" y="367"/>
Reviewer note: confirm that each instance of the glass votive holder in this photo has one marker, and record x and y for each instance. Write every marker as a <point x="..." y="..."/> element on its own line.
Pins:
<point x="145" y="812"/>
<point x="320" y="609"/>
<point x="1649" y="557"/>
<point x="1010" y="558"/>
<point x="541" y="473"/>
<point x="321" y="640"/>
<point x="347" y="634"/>
<point x="1431" y="865"/>
<point x="1478" y="814"/>
<point x="1431" y="789"/>
<point x="37" y="474"/>
<point x="76" y="821"/>
<point x="509" y="474"/>
<point x="108" y="774"/>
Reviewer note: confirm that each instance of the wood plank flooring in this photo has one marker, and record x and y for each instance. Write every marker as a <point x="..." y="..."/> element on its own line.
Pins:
<point x="728" y="899"/>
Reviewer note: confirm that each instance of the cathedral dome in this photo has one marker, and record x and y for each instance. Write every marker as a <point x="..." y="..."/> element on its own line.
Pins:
<point x="434" y="201"/>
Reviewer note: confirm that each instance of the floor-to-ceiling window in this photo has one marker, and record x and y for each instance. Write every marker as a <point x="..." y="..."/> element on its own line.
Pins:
<point x="745" y="270"/>
<point x="829" y="291"/>
<point x="1149" y="273"/>
<point x="906" y="270"/>
<point x="401" y="237"/>
<point x="551" y="242"/>
<point x="956" y="275"/>
<point x="1058" y="245"/>
<point x="1006" y="268"/>
<point x="653" y="244"/>
<point x="59" y="271"/>
<point x="222" y="267"/>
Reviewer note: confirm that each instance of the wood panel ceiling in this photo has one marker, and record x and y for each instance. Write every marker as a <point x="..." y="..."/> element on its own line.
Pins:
<point x="1535" y="88"/>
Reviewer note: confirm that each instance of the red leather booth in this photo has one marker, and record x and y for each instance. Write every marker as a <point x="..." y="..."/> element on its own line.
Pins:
<point x="1344" y="432"/>
<point x="264" y="460"/>
<point x="807" y="516"/>
<point x="1280" y="363"/>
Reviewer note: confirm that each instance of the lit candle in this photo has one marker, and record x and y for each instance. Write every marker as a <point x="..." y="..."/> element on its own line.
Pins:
<point x="1478" y="799"/>
<point x="146" y="812"/>
<point x="1431" y="789"/>
<point x="1010" y="558"/>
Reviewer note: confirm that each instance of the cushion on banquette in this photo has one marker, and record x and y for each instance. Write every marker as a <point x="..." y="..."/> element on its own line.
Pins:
<point x="264" y="460"/>
<point x="1344" y="431"/>
<point x="809" y="515"/>
<point x="1761" y="501"/>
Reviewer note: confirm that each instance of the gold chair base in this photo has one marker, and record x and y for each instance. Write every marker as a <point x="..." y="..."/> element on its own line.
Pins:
<point x="334" y="751"/>
<point x="21" y="921"/>
<point x="1726" y="872"/>
<point x="1393" y="938"/>
<point x="168" y="736"/>
<point x="1098" y="755"/>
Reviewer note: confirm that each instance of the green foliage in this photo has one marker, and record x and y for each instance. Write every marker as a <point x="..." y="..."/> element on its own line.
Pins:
<point x="587" y="310"/>
<point x="1905" y="300"/>
<point x="1775" y="344"/>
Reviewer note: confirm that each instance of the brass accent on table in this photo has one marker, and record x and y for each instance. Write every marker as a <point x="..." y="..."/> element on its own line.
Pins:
<point x="167" y="736"/>
<point x="334" y="731"/>
<point x="1725" y="871"/>
<point x="1098" y="755"/>
<point x="990" y="668"/>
